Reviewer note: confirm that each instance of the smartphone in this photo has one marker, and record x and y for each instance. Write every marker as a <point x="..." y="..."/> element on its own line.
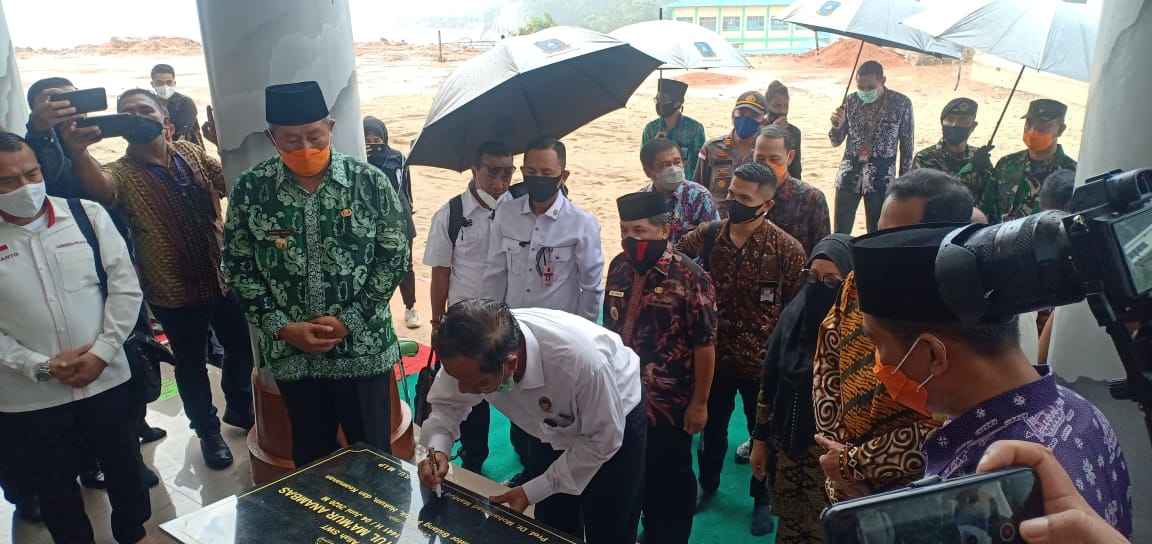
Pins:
<point x="111" y="126"/>
<point x="979" y="509"/>
<point x="85" y="100"/>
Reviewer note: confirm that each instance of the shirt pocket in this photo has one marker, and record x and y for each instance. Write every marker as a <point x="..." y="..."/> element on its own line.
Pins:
<point x="515" y="255"/>
<point x="563" y="262"/>
<point x="76" y="268"/>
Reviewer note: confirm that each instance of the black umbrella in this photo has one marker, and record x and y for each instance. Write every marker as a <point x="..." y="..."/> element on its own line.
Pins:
<point x="548" y="83"/>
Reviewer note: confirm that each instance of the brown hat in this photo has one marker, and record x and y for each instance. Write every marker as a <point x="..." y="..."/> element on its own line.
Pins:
<point x="752" y="100"/>
<point x="1046" y="109"/>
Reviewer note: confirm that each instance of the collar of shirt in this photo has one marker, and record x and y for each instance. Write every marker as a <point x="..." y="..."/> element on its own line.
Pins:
<point x="336" y="172"/>
<point x="50" y="214"/>
<point x="469" y="203"/>
<point x="988" y="417"/>
<point x="786" y="189"/>
<point x="679" y="195"/>
<point x="554" y="210"/>
<point x="533" y="365"/>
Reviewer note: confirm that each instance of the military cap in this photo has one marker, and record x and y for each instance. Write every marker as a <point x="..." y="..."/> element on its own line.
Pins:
<point x="896" y="273"/>
<point x="641" y="205"/>
<point x="1046" y="109"/>
<point x="752" y="100"/>
<point x="960" y="106"/>
<point x="671" y="90"/>
<point x="294" y="104"/>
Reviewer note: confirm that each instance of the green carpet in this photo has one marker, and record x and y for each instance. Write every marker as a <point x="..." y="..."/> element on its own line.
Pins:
<point x="726" y="519"/>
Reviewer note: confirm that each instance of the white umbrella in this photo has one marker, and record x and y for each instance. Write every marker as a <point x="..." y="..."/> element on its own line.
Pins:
<point x="873" y="21"/>
<point x="1053" y="36"/>
<point x="681" y="45"/>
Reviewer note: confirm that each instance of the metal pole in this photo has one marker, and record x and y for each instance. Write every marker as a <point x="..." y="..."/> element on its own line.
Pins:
<point x="854" y="66"/>
<point x="1005" y="110"/>
<point x="817" y="34"/>
<point x="440" y="46"/>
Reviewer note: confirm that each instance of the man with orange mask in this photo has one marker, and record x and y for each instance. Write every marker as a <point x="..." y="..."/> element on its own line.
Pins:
<point x="315" y="245"/>
<point x="1021" y="175"/>
<point x="801" y="209"/>
<point x="170" y="194"/>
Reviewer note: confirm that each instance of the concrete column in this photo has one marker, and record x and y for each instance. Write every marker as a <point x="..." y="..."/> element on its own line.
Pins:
<point x="255" y="43"/>
<point x="13" y="105"/>
<point x="1117" y="127"/>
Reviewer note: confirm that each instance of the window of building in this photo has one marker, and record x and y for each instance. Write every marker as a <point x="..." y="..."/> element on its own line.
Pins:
<point x="754" y="23"/>
<point x="777" y="24"/>
<point x="732" y="24"/>
<point x="686" y="19"/>
<point x="708" y="22"/>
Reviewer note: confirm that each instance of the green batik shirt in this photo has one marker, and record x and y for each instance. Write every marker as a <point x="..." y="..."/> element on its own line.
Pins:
<point x="688" y="132"/>
<point x="982" y="184"/>
<point x="294" y="256"/>
<point x="1020" y="178"/>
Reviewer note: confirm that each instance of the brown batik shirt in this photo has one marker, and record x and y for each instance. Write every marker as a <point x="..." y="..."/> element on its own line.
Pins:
<point x="753" y="285"/>
<point x="663" y="314"/>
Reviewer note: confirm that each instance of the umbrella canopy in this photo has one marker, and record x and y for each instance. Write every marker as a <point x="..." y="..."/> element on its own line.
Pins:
<point x="548" y="83"/>
<point x="682" y="45"/>
<point x="874" y="21"/>
<point x="1052" y="36"/>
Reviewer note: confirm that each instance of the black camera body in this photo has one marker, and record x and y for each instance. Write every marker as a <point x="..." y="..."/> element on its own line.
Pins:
<point x="1103" y="247"/>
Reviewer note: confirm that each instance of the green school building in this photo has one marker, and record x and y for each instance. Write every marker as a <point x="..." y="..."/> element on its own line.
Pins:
<point x="749" y="25"/>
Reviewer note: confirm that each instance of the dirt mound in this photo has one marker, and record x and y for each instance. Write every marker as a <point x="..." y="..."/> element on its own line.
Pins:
<point x="842" y="54"/>
<point x="164" y="45"/>
<point x="705" y="79"/>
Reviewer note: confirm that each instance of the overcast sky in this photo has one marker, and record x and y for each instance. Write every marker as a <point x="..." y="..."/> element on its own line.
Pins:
<point x="64" y="23"/>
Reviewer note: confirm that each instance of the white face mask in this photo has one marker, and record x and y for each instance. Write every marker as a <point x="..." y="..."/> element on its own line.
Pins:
<point x="165" y="91"/>
<point x="24" y="202"/>
<point x="670" y="178"/>
<point x="488" y="199"/>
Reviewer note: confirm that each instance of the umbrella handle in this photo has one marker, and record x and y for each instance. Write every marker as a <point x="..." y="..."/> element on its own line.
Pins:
<point x="854" y="66"/>
<point x="1005" y="110"/>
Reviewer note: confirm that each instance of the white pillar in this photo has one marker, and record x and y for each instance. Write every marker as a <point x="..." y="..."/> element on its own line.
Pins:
<point x="252" y="44"/>
<point x="1117" y="127"/>
<point x="13" y="105"/>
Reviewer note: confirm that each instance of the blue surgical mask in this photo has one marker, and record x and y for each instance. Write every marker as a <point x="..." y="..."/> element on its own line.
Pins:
<point x="745" y="127"/>
<point x="868" y="96"/>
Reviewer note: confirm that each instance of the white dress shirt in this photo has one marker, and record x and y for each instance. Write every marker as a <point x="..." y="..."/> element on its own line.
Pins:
<point x="467" y="257"/>
<point x="580" y="382"/>
<point x="524" y="248"/>
<point x="51" y="302"/>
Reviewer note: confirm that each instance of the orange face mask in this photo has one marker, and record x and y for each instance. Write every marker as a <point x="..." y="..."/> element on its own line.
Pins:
<point x="1038" y="141"/>
<point x="781" y="171"/>
<point x="306" y="162"/>
<point x="901" y="388"/>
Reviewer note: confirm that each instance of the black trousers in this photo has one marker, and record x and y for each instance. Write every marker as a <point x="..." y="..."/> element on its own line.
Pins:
<point x="318" y="407"/>
<point x="188" y="332"/>
<point x="527" y="448"/>
<point x="608" y="511"/>
<point x="47" y="462"/>
<point x="474" y="436"/>
<point x="670" y="489"/>
<point x="714" y="439"/>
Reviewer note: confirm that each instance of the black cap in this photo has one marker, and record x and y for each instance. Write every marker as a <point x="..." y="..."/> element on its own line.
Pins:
<point x="294" y="104"/>
<point x="896" y="273"/>
<point x="671" y="90"/>
<point x="960" y="106"/>
<point x="752" y="100"/>
<point x="1046" y="109"/>
<point x="642" y="205"/>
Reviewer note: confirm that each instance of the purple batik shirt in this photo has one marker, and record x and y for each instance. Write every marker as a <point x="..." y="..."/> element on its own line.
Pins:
<point x="1052" y="415"/>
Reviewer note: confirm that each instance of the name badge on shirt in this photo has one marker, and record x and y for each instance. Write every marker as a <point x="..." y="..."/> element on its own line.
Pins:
<point x="617" y="294"/>
<point x="768" y="293"/>
<point x="281" y="233"/>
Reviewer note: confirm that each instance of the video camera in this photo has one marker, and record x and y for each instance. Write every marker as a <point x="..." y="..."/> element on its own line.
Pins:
<point x="1101" y="251"/>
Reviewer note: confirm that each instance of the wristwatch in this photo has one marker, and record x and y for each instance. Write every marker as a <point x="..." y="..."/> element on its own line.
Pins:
<point x="43" y="372"/>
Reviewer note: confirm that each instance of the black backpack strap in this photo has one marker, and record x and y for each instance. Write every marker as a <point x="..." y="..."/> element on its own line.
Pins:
<point x="84" y="223"/>
<point x="711" y="231"/>
<point x="455" y="218"/>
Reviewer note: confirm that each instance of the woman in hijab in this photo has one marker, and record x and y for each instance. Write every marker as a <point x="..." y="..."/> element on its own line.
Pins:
<point x="783" y="444"/>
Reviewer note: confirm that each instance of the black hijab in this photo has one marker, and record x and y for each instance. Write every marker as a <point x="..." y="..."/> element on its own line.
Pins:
<point x="786" y="383"/>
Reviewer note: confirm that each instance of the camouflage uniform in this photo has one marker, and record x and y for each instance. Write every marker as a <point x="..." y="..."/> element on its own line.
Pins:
<point x="714" y="169"/>
<point x="1020" y="178"/>
<point x="982" y="184"/>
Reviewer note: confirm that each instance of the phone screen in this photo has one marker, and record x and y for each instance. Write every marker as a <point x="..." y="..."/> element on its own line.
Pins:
<point x="982" y="509"/>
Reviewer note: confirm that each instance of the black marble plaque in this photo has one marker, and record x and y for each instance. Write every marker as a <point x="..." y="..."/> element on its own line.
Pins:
<point x="358" y="495"/>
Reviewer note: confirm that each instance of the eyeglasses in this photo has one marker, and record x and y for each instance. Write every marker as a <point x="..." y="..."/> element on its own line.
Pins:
<point x="829" y="281"/>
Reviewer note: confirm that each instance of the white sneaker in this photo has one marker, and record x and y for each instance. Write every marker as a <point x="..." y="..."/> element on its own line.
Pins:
<point x="744" y="453"/>
<point x="412" y="318"/>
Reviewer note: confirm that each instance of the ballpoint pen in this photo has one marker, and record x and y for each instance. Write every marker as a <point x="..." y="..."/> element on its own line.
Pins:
<point x="436" y="471"/>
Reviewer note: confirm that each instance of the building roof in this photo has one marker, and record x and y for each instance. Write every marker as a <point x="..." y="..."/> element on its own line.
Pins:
<point x="726" y="3"/>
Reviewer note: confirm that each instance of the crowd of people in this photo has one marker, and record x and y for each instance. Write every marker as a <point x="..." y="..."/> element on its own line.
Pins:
<point x="854" y="375"/>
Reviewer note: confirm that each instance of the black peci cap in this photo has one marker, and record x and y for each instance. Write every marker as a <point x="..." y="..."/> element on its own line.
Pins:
<point x="642" y="205"/>
<point x="671" y="90"/>
<point x="896" y="273"/>
<point x="294" y="104"/>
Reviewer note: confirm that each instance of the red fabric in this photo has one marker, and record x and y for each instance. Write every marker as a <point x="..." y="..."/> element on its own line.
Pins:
<point x="414" y="364"/>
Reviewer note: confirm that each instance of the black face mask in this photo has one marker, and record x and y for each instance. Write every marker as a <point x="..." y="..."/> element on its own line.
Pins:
<point x="955" y="135"/>
<point x="644" y="254"/>
<point x="739" y="213"/>
<point x="772" y="117"/>
<point x="667" y="109"/>
<point x="819" y="300"/>
<point x="143" y="131"/>
<point x="541" y="188"/>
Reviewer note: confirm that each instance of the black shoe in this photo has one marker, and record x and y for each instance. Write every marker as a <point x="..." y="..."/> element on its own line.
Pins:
<point x="149" y="477"/>
<point x="518" y="480"/>
<point x="93" y="479"/>
<point x="244" y="421"/>
<point x="216" y="453"/>
<point x="762" y="520"/>
<point x="704" y="496"/>
<point x="151" y="434"/>
<point x="29" y="510"/>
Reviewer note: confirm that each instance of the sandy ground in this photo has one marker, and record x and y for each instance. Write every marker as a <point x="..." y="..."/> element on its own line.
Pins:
<point x="398" y="83"/>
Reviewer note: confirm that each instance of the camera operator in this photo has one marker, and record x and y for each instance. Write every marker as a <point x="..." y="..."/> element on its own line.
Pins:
<point x="975" y="374"/>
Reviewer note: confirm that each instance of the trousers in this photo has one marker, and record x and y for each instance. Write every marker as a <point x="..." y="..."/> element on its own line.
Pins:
<point x="608" y="511"/>
<point x="474" y="437"/>
<point x="317" y="408"/>
<point x="714" y="439"/>
<point x="47" y="462"/>
<point x="670" y="490"/>
<point x="188" y="332"/>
